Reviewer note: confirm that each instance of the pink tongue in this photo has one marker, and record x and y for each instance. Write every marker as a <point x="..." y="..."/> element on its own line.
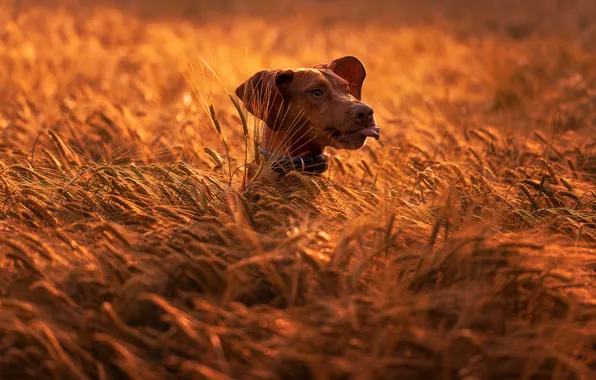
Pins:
<point x="370" y="132"/>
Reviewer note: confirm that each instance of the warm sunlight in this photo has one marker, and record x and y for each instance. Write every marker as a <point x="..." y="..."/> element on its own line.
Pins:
<point x="297" y="189"/>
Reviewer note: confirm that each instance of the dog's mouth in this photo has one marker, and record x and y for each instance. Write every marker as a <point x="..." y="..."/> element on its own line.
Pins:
<point x="370" y="131"/>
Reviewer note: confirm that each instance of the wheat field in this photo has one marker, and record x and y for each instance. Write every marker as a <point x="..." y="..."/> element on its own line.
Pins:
<point x="461" y="245"/>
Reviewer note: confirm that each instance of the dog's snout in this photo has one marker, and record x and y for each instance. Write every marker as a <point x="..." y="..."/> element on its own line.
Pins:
<point x="362" y="113"/>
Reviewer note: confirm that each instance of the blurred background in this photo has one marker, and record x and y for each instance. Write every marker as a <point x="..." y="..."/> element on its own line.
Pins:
<point x="564" y="18"/>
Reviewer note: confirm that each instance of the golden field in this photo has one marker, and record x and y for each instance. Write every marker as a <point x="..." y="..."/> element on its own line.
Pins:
<point x="461" y="245"/>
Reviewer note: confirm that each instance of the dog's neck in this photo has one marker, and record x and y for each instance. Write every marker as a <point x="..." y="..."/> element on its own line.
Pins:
<point x="297" y="145"/>
<point x="293" y="153"/>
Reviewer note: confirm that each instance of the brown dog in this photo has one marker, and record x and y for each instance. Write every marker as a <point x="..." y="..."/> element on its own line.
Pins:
<point x="307" y="110"/>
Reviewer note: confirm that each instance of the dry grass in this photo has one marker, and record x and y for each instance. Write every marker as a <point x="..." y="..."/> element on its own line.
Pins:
<point x="459" y="246"/>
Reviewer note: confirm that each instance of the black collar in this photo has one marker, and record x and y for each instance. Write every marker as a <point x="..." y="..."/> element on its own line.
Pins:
<point x="308" y="165"/>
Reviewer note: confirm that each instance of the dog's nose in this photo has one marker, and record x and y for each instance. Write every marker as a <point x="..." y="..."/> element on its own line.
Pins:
<point x="362" y="113"/>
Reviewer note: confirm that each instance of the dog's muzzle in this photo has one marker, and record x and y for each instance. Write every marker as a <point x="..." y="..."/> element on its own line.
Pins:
<point x="311" y="165"/>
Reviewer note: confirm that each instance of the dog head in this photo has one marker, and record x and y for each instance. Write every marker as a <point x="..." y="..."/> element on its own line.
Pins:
<point x="320" y="104"/>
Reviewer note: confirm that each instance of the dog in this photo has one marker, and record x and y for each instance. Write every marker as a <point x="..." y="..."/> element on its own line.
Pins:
<point x="305" y="111"/>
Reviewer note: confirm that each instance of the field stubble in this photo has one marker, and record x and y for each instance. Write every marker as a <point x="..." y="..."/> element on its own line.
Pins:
<point x="460" y="245"/>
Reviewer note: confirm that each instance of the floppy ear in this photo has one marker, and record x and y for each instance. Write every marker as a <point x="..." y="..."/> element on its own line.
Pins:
<point x="263" y="96"/>
<point x="351" y="70"/>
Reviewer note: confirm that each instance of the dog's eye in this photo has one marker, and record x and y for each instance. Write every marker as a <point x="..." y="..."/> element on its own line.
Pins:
<point x="348" y="90"/>
<point x="317" y="93"/>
